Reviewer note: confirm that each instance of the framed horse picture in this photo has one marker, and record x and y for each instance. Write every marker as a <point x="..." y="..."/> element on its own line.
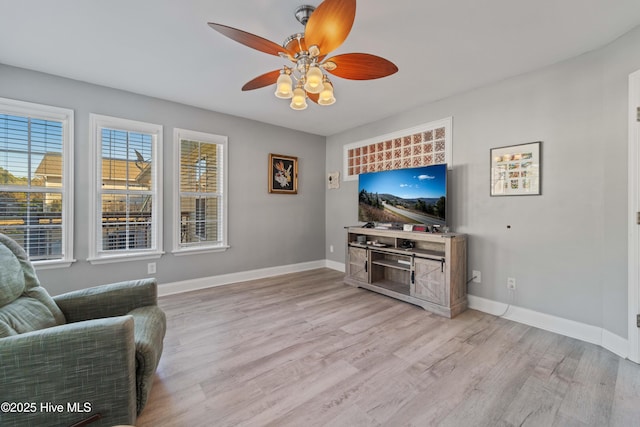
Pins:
<point x="283" y="174"/>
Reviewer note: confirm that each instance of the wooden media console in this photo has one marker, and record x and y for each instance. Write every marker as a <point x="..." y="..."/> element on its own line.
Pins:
<point x="426" y="269"/>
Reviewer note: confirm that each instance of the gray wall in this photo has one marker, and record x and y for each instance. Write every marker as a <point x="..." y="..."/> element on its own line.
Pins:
<point x="568" y="247"/>
<point x="265" y="230"/>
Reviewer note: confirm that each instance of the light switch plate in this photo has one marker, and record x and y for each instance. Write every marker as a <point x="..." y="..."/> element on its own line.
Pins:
<point x="333" y="180"/>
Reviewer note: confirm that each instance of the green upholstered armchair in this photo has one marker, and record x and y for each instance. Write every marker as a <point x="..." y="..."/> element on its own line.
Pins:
<point x="82" y="356"/>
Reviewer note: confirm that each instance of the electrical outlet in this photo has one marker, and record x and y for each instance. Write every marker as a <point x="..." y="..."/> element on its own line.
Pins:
<point x="151" y="268"/>
<point x="511" y="283"/>
<point x="331" y="248"/>
<point x="477" y="276"/>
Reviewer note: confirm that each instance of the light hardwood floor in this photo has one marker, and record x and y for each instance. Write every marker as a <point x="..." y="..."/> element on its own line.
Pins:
<point x="305" y="350"/>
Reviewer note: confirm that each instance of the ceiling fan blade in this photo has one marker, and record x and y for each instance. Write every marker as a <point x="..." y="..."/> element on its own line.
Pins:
<point x="361" y="66"/>
<point x="330" y="24"/>
<point x="313" y="96"/>
<point x="261" y="81"/>
<point x="250" y="40"/>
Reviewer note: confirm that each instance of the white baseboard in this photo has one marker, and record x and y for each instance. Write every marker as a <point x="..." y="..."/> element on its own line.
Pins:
<point x="615" y="344"/>
<point x="334" y="265"/>
<point x="241" y="276"/>
<point x="559" y="325"/>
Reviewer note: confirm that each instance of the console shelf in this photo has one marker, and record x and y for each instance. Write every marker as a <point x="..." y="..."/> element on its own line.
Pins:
<point x="416" y="267"/>
<point x="392" y="264"/>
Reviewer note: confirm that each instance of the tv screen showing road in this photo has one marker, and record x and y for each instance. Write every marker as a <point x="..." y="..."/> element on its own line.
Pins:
<point x="414" y="195"/>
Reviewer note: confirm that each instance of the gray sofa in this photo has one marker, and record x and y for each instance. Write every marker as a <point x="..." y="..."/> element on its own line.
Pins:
<point x="85" y="357"/>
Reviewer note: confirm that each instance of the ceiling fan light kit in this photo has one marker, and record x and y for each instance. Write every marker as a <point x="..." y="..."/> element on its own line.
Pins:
<point x="299" y="98"/>
<point x="326" y="28"/>
<point x="284" y="85"/>
<point x="326" y="96"/>
<point x="313" y="79"/>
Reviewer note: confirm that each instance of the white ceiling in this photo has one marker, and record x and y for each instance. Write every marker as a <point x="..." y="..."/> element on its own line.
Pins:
<point x="164" y="48"/>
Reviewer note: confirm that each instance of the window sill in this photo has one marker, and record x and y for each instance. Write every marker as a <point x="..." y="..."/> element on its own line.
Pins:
<point x="47" y="265"/>
<point x="199" y="250"/>
<point x="138" y="256"/>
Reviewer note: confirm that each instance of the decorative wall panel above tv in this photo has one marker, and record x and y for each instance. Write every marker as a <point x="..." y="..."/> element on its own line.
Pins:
<point x="423" y="145"/>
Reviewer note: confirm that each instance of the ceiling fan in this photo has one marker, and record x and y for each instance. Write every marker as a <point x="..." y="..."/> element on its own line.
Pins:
<point x="326" y="28"/>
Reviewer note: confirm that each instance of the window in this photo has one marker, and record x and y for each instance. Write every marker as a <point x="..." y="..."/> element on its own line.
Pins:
<point x="127" y="216"/>
<point x="201" y="179"/>
<point x="36" y="180"/>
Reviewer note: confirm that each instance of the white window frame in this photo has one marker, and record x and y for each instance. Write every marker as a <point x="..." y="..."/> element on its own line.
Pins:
<point x="96" y="254"/>
<point x="65" y="116"/>
<point x="222" y="142"/>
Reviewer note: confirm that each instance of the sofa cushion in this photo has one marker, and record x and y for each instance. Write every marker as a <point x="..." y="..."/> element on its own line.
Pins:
<point x="25" y="306"/>
<point x="11" y="276"/>
<point x="25" y="315"/>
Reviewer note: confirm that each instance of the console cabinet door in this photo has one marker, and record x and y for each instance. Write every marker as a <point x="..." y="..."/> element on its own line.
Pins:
<point x="429" y="281"/>
<point x="358" y="264"/>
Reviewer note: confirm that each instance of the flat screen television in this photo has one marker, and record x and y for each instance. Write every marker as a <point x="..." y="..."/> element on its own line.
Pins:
<point x="413" y="195"/>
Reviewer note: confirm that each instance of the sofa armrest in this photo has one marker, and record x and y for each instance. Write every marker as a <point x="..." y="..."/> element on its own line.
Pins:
<point x="116" y="299"/>
<point x="65" y="374"/>
<point x="150" y="326"/>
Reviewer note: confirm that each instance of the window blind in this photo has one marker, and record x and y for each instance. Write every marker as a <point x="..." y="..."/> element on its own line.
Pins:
<point x="200" y="193"/>
<point x="32" y="184"/>
<point x="126" y="195"/>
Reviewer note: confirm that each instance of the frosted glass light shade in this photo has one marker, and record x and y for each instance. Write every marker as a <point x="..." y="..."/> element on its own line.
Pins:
<point x="299" y="100"/>
<point x="314" y="80"/>
<point x="326" y="96"/>
<point x="284" y="86"/>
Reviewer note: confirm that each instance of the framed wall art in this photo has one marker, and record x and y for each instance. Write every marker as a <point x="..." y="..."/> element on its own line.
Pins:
<point x="283" y="174"/>
<point x="516" y="170"/>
